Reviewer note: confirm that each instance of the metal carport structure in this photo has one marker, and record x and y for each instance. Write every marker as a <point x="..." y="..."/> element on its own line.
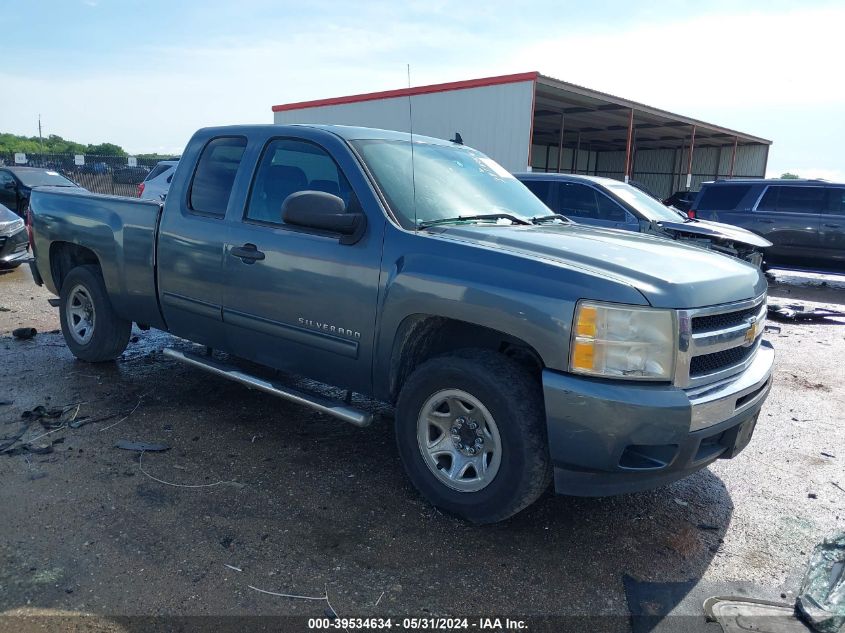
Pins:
<point x="529" y="120"/>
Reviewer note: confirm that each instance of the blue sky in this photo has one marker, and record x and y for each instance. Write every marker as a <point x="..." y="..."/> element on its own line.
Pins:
<point x="147" y="74"/>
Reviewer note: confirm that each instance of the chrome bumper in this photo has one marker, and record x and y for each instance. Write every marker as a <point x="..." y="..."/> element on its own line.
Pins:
<point x="719" y="401"/>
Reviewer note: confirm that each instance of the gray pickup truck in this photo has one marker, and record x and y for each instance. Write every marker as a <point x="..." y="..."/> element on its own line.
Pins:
<point x="518" y="348"/>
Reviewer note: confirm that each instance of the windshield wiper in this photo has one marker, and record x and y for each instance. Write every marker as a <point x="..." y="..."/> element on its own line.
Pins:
<point x="469" y="218"/>
<point x="540" y="219"/>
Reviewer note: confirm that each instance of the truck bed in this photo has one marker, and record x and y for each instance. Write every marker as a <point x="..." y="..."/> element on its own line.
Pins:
<point x="120" y="231"/>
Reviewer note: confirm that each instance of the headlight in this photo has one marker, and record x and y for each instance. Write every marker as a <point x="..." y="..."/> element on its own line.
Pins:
<point x="11" y="227"/>
<point x="617" y="341"/>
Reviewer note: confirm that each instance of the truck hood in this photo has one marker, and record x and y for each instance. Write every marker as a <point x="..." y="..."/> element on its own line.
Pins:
<point x="668" y="274"/>
<point x="718" y="231"/>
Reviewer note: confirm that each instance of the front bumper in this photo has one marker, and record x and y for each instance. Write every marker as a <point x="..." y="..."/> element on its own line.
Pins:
<point x="608" y="438"/>
<point x="13" y="248"/>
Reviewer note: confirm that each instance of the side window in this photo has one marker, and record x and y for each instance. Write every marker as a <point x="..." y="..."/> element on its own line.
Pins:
<point x="836" y="200"/>
<point x="540" y="188"/>
<point x="769" y="201"/>
<point x="801" y="199"/>
<point x="5" y="179"/>
<point x="609" y="210"/>
<point x="578" y="201"/>
<point x="722" y="197"/>
<point x="215" y="175"/>
<point x="288" y="166"/>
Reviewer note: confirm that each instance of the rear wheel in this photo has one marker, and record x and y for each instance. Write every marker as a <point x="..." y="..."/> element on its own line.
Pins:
<point x="92" y="330"/>
<point x="471" y="433"/>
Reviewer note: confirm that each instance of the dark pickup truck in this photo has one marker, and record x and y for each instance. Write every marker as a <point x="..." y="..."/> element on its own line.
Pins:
<point x="516" y="346"/>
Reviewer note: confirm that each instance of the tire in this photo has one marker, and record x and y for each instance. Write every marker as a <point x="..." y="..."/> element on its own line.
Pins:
<point x="459" y="390"/>
<point x="92" y="330"/>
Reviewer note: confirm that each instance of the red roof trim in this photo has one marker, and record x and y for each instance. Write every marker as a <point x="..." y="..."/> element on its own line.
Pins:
<point x="406" y="92"/>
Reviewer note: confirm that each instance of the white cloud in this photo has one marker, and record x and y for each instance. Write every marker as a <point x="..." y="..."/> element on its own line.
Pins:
<point x="749" y="60"/>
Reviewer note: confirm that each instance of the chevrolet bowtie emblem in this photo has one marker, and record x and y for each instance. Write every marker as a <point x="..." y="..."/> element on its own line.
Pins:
<point x="754" y="327"/>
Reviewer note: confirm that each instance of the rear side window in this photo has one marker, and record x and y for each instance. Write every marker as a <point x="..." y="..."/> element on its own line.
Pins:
<point x="289" y="166"/>
<point x="793" y="199"/>
<point x="836" y="200"/>
<point x="215" y="175"/>
<point x="158" y="170"/>
<point x="722" y="197"/>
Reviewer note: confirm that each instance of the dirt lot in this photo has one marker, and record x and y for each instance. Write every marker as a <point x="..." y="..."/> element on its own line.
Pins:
<point x="294" y="502"/>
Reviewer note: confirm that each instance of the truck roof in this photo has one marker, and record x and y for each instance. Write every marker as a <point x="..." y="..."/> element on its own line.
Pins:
<point x="543" y="175"/>
<point x="347" y="132"/>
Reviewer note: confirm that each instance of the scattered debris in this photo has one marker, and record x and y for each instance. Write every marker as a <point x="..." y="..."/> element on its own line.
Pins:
<point x="168" y="483"/>
<point x="24" y="333"/>
<point x="680" y="502"/>
<point x="141" y="446"/>
<point x="330" y="611"/>
<point x="34" y="450"/>
<point x="379" y="599"/>
<point x="812" y="495"/>
<point x="837" y="485"/>
<point x="823" y="454"/>
<point x="821" y="602"/>
<point x="708" y="526"/>
<point x="4" y="403"/>
<point x="799" y="312"/>
<point x="106" y="428"/>
<point x="238" y="569"/>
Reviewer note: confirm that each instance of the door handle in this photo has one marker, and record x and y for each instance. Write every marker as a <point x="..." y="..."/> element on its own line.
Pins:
<point x="764" y="221"/>
<point x="248" y="253"/>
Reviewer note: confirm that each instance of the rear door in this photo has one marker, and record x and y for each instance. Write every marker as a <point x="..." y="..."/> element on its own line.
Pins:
<point x="832" y="234"/>
<point x="728" y="203"/>
<point x="300" y="300"/>
<point x="191" y="242"/>
<point x="789" y="216"/>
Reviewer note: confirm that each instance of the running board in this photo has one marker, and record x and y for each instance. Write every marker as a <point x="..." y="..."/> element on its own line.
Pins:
<point x="323" y="405"/>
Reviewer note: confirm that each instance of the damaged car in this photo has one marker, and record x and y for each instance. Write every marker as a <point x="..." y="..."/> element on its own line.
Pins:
<point x="613" y="204"/>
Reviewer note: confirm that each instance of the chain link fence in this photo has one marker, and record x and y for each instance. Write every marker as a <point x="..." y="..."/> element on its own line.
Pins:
<point x="99" y="174"/>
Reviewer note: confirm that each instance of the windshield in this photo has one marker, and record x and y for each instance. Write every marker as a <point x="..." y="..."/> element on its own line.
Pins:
<point x="650" y="208"/>
<point x="449" y="181"/>
<point x="43" y="178"/>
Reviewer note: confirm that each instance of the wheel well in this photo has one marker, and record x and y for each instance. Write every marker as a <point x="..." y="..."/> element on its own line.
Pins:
<point x="423" y="337"/>
<point x="65" y="256"/>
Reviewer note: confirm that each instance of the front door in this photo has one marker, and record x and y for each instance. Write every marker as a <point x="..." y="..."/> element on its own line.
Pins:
<point x="298" y="299"/>
<point x="832" y="238"/>
<point x="586" y="205"/>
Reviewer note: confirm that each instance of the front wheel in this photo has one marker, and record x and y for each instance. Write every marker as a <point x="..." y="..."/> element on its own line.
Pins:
<point x="470" y="429"/>
<point x="92" y="330"/>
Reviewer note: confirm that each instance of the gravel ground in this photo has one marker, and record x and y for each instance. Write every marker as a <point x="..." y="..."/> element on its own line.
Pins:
<point x="295" y="502"/>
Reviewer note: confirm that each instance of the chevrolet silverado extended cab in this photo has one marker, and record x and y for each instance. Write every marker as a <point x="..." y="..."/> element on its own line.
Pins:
<point x="517" y="347"/>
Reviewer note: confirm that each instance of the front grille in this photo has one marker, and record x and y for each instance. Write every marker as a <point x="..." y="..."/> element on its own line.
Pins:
<point x="717" y="361"/>
<point x="722" y="321"/>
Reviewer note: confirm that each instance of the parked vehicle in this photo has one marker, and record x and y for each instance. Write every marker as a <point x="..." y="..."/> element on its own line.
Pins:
<point x="681" y="200"/>
<point x="803" y="219"/>
<point x="98" y="167"/>
<point x="16" y="184"/>
<point x="614" y="204"/>
<point x="518" y="347"/>
<point x="14" y="239"/>
<point x="129" y="175"/>
<point x="157" y="182"/>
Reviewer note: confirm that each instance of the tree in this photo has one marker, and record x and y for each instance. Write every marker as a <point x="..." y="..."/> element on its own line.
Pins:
<point x="789" y="176"/>
<point x="105" y="149"/>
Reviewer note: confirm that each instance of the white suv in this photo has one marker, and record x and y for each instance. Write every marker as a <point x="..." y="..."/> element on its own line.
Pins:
<point x="157" y="182"/>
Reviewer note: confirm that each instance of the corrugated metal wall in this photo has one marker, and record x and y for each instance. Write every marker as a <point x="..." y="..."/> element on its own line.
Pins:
<point x="493" y="119"/>
<point x="544" y="158"/>
<point x="664" y="171"/>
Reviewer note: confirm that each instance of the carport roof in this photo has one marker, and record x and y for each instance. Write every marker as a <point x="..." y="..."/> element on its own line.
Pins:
<point x="602" y="119"/>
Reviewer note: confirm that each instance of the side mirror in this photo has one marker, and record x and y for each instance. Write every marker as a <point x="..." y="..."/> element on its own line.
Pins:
<point x="325" y="212"/>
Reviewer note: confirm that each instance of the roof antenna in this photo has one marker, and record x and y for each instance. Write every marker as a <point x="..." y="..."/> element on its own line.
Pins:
<point x="411" y="128"/>
<point x="457" y="139"/>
